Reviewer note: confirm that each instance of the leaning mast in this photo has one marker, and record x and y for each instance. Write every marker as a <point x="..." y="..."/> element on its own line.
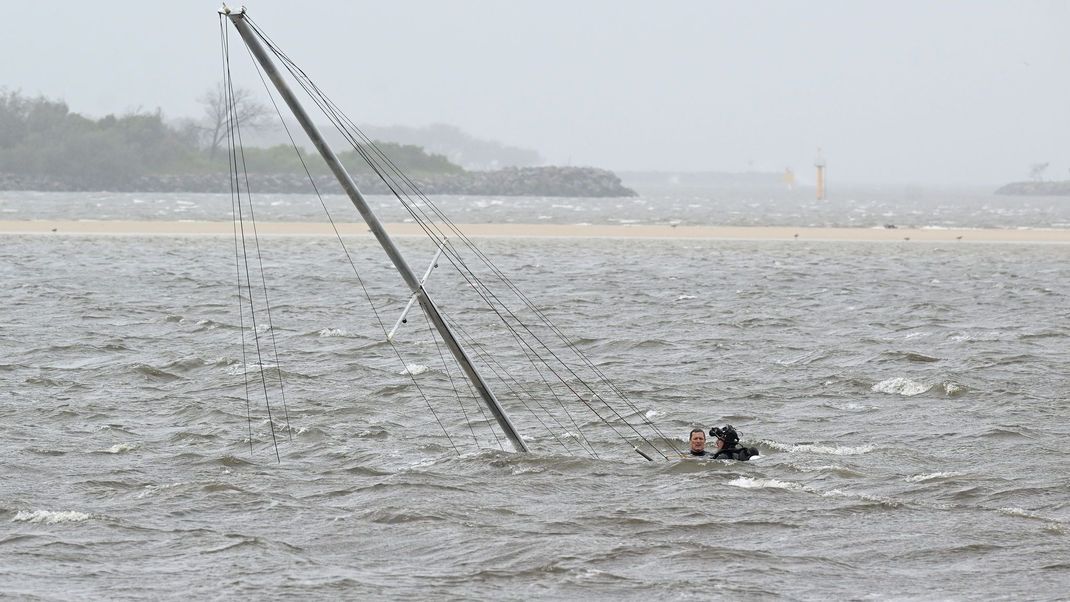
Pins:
<point x="376" y="227"/>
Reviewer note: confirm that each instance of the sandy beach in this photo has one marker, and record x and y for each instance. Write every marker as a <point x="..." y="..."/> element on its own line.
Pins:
<point x="214" y="228"/>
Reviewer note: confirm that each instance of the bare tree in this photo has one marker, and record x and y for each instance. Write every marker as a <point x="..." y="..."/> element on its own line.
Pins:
<point x="1036" y="171"/>
<point x="245" y="112"/>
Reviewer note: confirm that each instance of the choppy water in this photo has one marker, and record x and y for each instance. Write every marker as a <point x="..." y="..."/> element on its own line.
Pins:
<point x="909" y="401"/>
<point x="954" y="208"/>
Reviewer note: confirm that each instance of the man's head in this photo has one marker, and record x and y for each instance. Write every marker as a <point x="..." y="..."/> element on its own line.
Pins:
<point x="726" y="436"/>
<point x="698" y="440"/>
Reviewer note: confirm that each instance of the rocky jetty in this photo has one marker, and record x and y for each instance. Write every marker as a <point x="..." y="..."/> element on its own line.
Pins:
<point x="1036" y="188"/>
<point x="515" y="181"/>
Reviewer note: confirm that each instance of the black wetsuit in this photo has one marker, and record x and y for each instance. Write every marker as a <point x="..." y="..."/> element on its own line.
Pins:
<point x="700" y="453"/>
<point x="735" y="453"/>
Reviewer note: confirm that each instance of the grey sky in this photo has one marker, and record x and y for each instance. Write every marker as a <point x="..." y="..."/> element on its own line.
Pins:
<point x="898" y="91"/>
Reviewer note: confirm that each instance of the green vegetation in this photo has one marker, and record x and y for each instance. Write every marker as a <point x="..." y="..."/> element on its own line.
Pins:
<point x="42" y="137"/>
<point x="281" y="158"/>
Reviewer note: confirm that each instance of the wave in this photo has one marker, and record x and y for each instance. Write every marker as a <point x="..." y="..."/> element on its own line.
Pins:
<point x="50" y="517"/>
<point x="832" y="450"/>
<point x="900" y="386"/>
<point x="751" y="483"/>
<point x="333" y="332"/>
<point x="42" y="451"/>
<point x="954" y="389"/>
<point x="842" y="471"/>
<point x="120" y="448"/>
<point x="413" y="369"/>
<point x="238" y="368"/>
<point x="1052" y="524"/>
<point x="921" y="478"/>
<point x="848" y="406"/>
<point x="185" y="365"/>
<point x="887" y="502"/>
<point x="207" y="324"/>
<point x="912" y="356"/>
<point x="155" y="373"/>
<point x="151" y="490"/>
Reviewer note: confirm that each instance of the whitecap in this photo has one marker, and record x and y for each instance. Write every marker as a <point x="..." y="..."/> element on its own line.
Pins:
<point x="900" y="386"/>
<point x="333" y="332"/>
<point x="152" y="489"/>
<point x="833" y="450"/>
<point x="951" y="388"/>
<point x="685" y="297"/>
<point x="119" y="448"/>
<point x="749" y="483"/>
<point x="837" y="450"/>
<point x="918" y="478"/>
<point x="239" y="368"/>
<point x="822" y="468"/>
<point x="1022" y="512"/>
<point x="50" y="517"/>
<point x="850" y="406"/>
<point x="860" y="496"/>
<point x="413" y="369"/>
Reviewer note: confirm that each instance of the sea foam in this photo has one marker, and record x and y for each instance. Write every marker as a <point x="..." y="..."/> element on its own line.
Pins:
<point x="832" y="450"/>
<point x="50" y="517"/>
<point x="413" y="369"/>
<point x="120" y="448"/>
<point x="749" y="483"/>
<point x="900" y="386"/>
<point x="920" y="478"/>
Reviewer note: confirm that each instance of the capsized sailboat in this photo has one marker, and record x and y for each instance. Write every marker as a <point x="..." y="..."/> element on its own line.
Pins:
<point x="573" y="390"/>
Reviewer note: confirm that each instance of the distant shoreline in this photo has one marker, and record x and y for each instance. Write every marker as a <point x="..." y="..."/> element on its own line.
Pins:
<point x="1057" y="188"/>
<point x="771" y="233"/>
<point x="550" y="181"/>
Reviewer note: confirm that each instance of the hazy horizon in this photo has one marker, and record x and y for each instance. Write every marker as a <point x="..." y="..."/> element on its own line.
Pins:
<point x="956" y="93"/>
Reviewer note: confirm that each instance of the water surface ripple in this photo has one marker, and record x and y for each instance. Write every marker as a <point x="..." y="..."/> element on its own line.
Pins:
<point x="909" y="401"/>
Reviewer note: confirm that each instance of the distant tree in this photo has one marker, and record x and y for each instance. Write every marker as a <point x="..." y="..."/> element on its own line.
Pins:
<point x="1036" y="171"/>
<point x="42" y="137"/>
<point x="247" y="113"/>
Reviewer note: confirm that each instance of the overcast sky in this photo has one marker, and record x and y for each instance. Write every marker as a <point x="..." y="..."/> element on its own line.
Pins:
<point x="926" y="92"/>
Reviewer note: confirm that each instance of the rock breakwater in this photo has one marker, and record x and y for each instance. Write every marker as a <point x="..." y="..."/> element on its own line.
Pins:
<point x="1061" y="188"/>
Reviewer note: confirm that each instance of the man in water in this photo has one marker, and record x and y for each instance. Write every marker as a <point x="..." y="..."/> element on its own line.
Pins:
<point x="727" y="442"/>
<point x="698" y="443"/>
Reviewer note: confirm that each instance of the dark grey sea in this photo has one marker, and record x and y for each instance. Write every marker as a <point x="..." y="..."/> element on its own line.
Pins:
<point x="909" y="401"/>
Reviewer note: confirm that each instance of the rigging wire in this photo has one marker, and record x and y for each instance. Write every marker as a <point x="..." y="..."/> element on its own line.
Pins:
<point x="260" y="261"/>
<point x="381" y="165"/>
<point x="453" y="385"/>
<point x="235" y="144"/>
<point x="223" y="45"/>
<point x="495" y="365"/>
<point x="454" y="258"/>
<point x="349" y="257"/>
<point x="338" y="120"/>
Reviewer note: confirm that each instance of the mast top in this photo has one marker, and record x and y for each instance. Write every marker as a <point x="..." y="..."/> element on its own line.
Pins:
<point x="226" y="10"/>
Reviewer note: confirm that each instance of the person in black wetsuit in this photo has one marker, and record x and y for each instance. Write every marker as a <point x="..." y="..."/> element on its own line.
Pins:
<point x="698" y="443"/>
<point x="727" y="442"/>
